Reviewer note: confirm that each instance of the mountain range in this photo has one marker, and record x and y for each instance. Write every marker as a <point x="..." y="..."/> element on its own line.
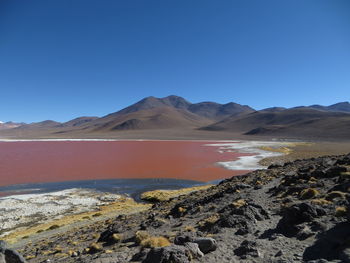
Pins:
<point x="174" y="114"/>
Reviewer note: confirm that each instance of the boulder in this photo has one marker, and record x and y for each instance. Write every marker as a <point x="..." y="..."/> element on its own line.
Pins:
<point x="182" y="239"/>
<point x="13" y="256"/>
<point x="8" y="255"/>
<point x="171" y="254"/>
<point x="297" y="214"/>
<point x="206" y="244"/>
<point x="247" y="248"/>
<point x="194" y="250"/>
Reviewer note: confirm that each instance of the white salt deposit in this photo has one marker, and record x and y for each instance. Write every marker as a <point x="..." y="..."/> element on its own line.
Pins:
<point x="17" y="210"/>
<point x="250" y="147"/>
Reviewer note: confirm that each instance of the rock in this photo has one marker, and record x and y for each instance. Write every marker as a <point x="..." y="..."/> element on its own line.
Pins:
<point x="345" y="255"/>
<point x="171" y="254"/>
<point x="194" y="250"/>
<point x="334" y="171"/>
<point x="247" y="248"/>
<point x="9" y="255"/>
<point x="295" y="215"/>
<point x="243" y="218"/>
<point x="206" y="244"/>
<point x="331" y="245"/>
<point x="181" y="240"/>
<point x="141" y="255"/>
<point x="304" y="232"/>
<point x="3" y="246"/>
<point x="12" y="256"/>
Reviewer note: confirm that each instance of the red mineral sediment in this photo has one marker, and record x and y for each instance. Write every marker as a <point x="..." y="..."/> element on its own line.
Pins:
<point x="54" y="161"/>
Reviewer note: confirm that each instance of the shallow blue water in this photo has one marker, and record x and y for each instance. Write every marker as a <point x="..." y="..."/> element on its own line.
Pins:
<point x="131" y="187"/>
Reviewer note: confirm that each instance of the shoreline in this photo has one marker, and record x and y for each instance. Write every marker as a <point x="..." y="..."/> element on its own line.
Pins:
<point x="37" y="231"/>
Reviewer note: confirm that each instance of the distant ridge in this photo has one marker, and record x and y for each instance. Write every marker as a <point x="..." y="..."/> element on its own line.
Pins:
<point x="179" y="116"/>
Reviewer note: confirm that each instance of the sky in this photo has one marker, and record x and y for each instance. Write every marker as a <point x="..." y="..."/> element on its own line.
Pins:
<point x="61" y="59"/>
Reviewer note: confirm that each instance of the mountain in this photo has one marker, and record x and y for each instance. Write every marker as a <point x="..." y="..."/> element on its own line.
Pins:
<point x="163" y="113"/>
<point x="337" y="107"/>
<point x="9" y="125"/>
<point x="274" y="109"/>
<point x="153" y="102"/>
<point x="214" y="110"/>
<point x="40" y="125"/>
<point x="296" y="123"/>
<point x="210" y="110"/>
<point x="151" y="116"/>
<point x="78" y="121"/>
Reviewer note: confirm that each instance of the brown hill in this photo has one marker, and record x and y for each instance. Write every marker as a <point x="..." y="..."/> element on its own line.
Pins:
<point x="181" y="117"/>
<point x="209" y="110"/>
<point x="78" y="121"/>
<point x="292" y="123"/>
<point x="152" y="118"/>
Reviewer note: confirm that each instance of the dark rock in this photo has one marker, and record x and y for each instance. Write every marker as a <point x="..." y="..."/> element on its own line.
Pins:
<point x="304" y="232"/>
<point x="295" y="215"/>
<point x="332" y="244"/>
<point x="243" y="218"/>
<point x="206" y="244"/>
<point x="172" y="254"/>
<point x="9" y="255"/>
<point x="334" y="171"/>
<point x="247" y="248"/>
<point x="279" y="253"/>
<point x="181" y="240"/>
<point x="141" y="255"/>
<point x="275" y="165"/>
<point x="12" y="256"/>
<point x="345" y="255"/>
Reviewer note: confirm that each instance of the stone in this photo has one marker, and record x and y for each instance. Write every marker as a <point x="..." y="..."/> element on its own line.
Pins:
<point x="182" y="239"/>
<point x="206" y="244"/>
<point x="295" y="215"/>
<point x="194" y="250"/>
<point x="3" y="246"/>
<point x="12" y="256"/>
<point x="247" y="248"/>
<point x="171" y="254"/>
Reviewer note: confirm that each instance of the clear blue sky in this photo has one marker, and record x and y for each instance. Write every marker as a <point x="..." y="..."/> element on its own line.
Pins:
<point x="60" y="59"/>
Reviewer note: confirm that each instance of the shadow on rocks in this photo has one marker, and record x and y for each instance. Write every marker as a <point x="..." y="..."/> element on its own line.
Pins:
<point x="331" y="245"/>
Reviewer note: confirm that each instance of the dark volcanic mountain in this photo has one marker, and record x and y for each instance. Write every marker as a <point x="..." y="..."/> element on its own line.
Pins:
<point x="164" y="113"/>
<point x="78" y="121"/>
<point x="210" y="110"/>
<point x="338" y="107"/>
<point x="151" y="118"/>
<point x="214" y="110"/>
<point x="295" y="123"/>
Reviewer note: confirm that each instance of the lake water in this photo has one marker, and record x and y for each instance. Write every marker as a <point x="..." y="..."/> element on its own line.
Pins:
<point x="116" y="166"/>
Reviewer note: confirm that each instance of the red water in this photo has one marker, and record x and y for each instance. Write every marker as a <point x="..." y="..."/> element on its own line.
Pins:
<point x="55" y="161"/>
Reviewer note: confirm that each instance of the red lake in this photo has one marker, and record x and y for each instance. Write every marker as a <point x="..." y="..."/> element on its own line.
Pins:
<point x="57" y="161"/>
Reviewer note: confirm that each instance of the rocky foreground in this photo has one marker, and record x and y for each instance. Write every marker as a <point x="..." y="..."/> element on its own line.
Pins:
<point x="295" y="212"/>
